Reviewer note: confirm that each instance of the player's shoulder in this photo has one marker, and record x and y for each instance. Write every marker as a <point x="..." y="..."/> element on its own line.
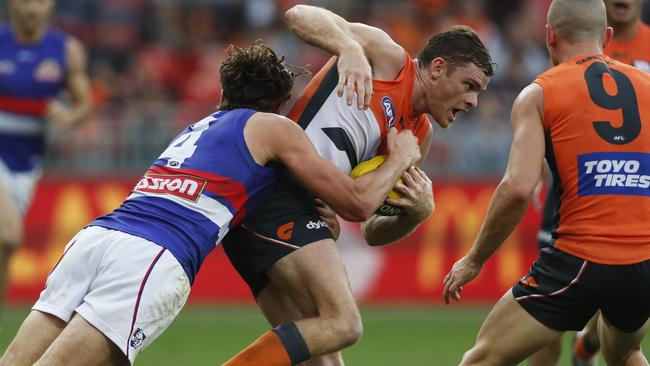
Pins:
<point x="57" y="35"/>
<point x="644" y="29"/>
<point x="272" y="122"/>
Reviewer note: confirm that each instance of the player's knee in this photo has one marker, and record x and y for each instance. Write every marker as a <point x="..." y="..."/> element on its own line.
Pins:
<point x="477" y="355"/>
<point x="348" y="329"/>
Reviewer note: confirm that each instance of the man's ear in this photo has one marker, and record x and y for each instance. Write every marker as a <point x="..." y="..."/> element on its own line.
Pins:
<point x="437" y="67"/>
<point x="551" y="36"/>
<point x="607" y="37"/>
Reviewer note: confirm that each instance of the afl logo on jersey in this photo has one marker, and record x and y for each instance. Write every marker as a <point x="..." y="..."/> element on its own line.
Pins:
<point x="48" y="70"/>
<point x="389" y="111"/>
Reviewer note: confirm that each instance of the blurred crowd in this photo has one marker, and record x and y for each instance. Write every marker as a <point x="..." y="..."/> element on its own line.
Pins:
<point x="154" y="66"/>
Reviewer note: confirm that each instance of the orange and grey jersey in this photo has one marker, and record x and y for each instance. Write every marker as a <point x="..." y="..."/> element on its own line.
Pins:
<point x="597" y="124"/>
<point x="346" y="135"/>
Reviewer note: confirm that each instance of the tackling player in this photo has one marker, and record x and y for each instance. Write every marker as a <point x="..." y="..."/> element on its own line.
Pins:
<point x="123" y="278"/>
<point x="36" y="64"/>
<point x="293" y="268"/>
<point x="586" y="114"/>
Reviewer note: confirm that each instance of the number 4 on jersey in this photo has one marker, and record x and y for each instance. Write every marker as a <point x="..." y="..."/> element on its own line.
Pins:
<point x="185" y="145"/>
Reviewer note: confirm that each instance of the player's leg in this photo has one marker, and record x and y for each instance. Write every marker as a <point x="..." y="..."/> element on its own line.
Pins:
<point x="34" y="336"/>
<point x="508" y="336"/>
<point x="586" y="344"/>
<point x="621" y="348"/>
<point x="547" y="356"/>
<point x="312" y="274"/>
<point x="81" y="344"/>
<point x="65" y="288"/>
<point x="279" y="308"/>
<point x="11" y="232"/>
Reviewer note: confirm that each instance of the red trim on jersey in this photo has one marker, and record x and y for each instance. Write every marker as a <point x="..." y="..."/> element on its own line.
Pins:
<point x="137" y="301"/>
<point x="232" y="191"/>
<point x="63" y="255"/>
<point x="32" y="107"/>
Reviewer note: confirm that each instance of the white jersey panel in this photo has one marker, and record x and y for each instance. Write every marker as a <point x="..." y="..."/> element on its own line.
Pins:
<point x="360" y="127"/>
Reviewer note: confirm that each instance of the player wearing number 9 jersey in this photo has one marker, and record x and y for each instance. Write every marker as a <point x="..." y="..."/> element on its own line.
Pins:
<point x="123" y="279"/>
<point x="587" y="116"/>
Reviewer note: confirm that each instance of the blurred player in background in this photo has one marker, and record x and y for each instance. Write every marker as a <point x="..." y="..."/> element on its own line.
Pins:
<point x="277" y="250"/>
<point x="631" y="42"/>
<point x="631" y="45"/>
<point x="123" y="278"/>
<point x="600" y="258"/>
<point x="36" y="64"/>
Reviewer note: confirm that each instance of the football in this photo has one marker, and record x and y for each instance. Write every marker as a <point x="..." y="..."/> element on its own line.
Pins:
<point x="366" y="167"/>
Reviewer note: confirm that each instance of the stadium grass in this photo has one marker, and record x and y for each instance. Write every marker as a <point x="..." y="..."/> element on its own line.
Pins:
<point x="400" y="335"/>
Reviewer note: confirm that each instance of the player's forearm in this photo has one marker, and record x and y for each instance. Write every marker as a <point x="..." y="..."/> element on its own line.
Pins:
<point x="321" y="28"/>
<point x="79" y="114"/>
<point x="506" y="209"/>
<point x="371" y="189"/>
<point x="381" y="230"/>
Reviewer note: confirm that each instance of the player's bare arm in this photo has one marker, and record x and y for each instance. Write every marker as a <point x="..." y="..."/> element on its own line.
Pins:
<point x="416" y="200"/>
<point x="78" y="86"/>
<point x="272" y="137"/>
<point x="511" y="198"/>
<point x="358" y="47"/>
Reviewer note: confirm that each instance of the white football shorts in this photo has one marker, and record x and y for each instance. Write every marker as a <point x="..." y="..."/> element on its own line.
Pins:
<point x="127" y="287"/>
<point x="20" y="185"/>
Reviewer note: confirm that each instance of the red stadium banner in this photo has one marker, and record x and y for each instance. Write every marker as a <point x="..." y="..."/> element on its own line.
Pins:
<point x="407" y="271"/>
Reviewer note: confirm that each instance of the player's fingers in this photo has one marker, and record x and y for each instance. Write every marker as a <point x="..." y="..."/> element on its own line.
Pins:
<point x="415" y="175"/>
<point x="419" y="173"/>
<point x="446" y="291"/>
<point x="403" y="190"/>
<point x="397" y="201"/>
<point x="368" y="95"/>
<point x="349" y="89"/>
<point x="408" y="180"/>
<point x="361" y="93"/>
<point x="323" y="212"/>
<point x="341" y="84"/>
<point x="423" y="175"/>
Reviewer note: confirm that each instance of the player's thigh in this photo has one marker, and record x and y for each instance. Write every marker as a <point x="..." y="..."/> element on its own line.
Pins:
<point x="279" y="308"/>
<point x="548" y="355"/>
<point x="315" y="273"/>
<point x="617" y="344"/>
<point x="34" y="336"/>
<point x="287" y="221"/>
<point x="81" y="344"/>
<point x="508" y="336"/>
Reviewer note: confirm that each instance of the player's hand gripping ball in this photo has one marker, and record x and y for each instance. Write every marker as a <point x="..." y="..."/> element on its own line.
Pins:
<point x="366" y="167"/>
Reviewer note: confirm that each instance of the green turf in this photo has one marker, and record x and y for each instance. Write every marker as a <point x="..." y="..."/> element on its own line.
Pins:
<point x="409" y="336"/>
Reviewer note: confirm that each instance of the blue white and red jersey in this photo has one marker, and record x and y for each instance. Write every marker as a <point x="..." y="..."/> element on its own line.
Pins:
<point x="30" y="76"/>
<point x="201" y="185"/>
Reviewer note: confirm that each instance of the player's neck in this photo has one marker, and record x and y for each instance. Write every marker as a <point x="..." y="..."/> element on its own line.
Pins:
<point x="27" y="37"/>
<point x="569" y="51"/>
<point x="623" y="31"/>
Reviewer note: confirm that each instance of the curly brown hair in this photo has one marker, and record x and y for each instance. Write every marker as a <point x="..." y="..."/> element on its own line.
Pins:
<point x="256" y="78"/>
